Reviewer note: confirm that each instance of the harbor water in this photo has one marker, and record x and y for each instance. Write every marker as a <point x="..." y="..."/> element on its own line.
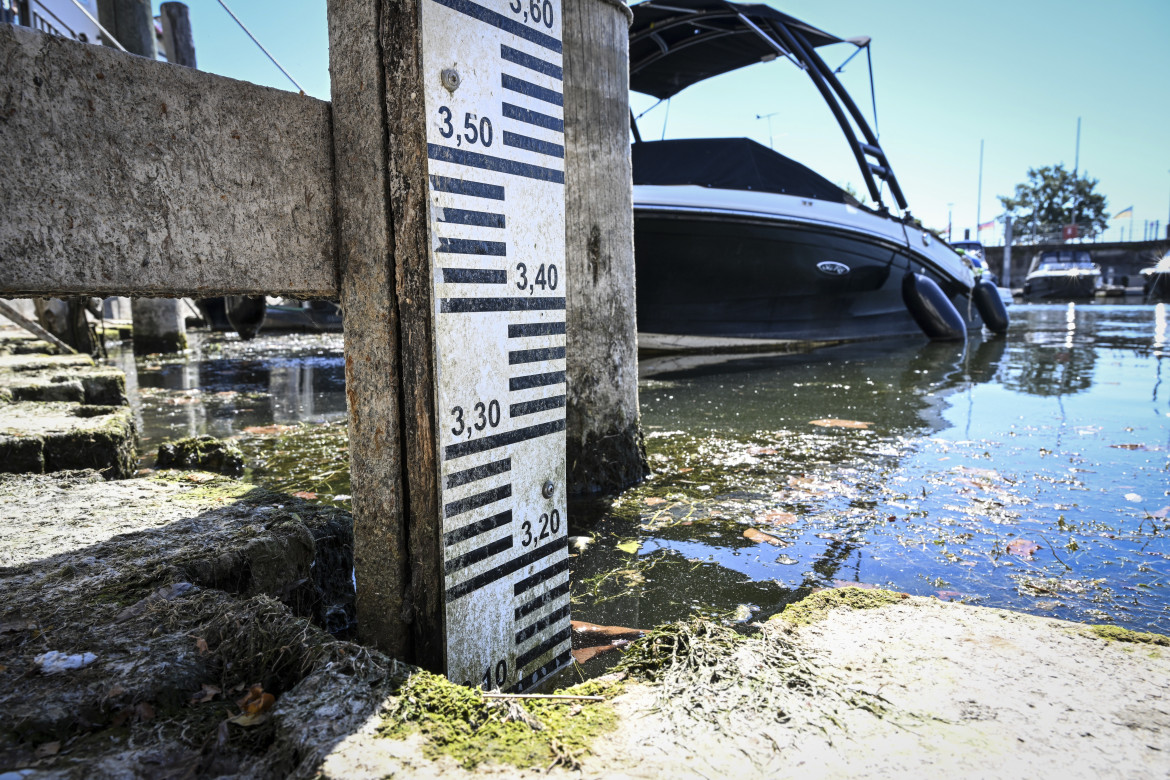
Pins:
<point x="1028" y="472"/>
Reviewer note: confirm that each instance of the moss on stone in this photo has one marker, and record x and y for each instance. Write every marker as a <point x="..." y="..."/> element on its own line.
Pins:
<point x="205" y="453"/>
<point x="1119" y="634"/>
<point x="458" y="722"/>
<point x="816" y="606"/>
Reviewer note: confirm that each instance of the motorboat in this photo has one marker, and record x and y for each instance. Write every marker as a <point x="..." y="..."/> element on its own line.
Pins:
<point x="975" y="252"/>
<point x="1062" y="274"/>
<point x="1156" y="280"/>
<point x="740" y="247"/>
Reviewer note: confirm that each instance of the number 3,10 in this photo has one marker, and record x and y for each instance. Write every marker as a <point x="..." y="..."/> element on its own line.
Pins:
<point x="480" y="133"/>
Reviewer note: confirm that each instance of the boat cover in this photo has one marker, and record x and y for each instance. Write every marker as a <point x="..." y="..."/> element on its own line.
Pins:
<point x="729" y="164"/>
<point x="677" y="43"/>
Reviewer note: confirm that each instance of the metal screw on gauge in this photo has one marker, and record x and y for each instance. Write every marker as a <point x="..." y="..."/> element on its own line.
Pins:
<point x="450" y="79"/>
<point x="547" y="490"/>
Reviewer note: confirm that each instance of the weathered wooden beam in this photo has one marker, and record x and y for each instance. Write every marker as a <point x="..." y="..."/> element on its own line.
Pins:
<point x="126" y="176"/>
<point x="367" y="286"/>
<point x="605" y="451"/>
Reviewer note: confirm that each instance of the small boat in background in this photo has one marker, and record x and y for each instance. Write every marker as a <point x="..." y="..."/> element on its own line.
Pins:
<point x="739" y="247"/>
<point x="1063" y="273"/>
<point x="1156" y="280"/>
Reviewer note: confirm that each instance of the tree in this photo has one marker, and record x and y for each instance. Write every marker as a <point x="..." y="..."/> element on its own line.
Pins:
<point x="1052" y="198"/>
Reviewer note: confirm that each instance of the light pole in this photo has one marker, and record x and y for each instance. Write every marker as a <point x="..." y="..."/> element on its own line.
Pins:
<point x="771" y="145"/>
<point x="950" y="208"/>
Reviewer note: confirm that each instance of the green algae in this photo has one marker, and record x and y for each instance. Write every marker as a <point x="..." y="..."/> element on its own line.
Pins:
<point x="458" y="722"/>
<point x="1119" y="634"/>
<point x="817" y="606"/>
<point x="205" y="453"/>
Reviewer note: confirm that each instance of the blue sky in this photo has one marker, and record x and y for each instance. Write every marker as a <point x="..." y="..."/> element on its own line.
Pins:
<point x="948" y="74"/>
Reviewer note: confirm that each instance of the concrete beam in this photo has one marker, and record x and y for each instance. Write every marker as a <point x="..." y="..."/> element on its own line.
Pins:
<point x="126" y="176"/>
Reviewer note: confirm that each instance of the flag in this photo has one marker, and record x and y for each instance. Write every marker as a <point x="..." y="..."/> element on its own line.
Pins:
<point x="1126" y="212"/>
<point x="987" y="225"/>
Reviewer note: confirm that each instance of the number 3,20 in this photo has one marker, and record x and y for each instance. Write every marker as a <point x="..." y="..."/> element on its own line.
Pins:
<point x="550" y="523"/>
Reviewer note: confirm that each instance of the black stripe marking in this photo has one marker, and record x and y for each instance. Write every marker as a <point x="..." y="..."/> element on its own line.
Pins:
<point x="528" y="583"/>
<point x="548" y="596"/>
<point x="524" y="659"/>
<point x="474" y="276"/>
<point x="536" y="380"/>
<point x="473" y="584"/>
<point x="489" y="163"/>
<point x="531" y="90"/>
<point x="536" y="329"/>
<point x="533" y="118"/>
<point x="530" y="62"/>
<point x="479" y="305"/>
<point x="472" y="246"/>
<point x="530" y="631"/>
<point x="556" y="664"/>
<point x="474" y="189"/>
<point x="519" y="356"/>
<point x="470" y="217"/>
<point x="475" y="502"/>
<point x="478" y="554"/>
<point x="476" y="473"/>
<point x="452" y="451"/>
<point x="478" y="527"/>
<point x="479" y="13"/>
<point x="539" y="405"/>
<point x="517" y="141"/>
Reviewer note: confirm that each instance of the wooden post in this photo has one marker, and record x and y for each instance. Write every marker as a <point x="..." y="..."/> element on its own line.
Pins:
<point x="131" y="22"/>
<point x="605" y="450"/>
<point x="177" y="40"/>
<point x="448" y="142"/>
<point x="367" y="288"/>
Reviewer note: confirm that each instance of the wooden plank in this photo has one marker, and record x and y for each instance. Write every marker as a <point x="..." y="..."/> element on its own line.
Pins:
<point x="366" y="241"/>
<point x="126" y="176"/>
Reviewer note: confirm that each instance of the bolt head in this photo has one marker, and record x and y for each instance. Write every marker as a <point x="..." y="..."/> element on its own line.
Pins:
<point x="548" y="489"/>
<point x="450" y="79"/>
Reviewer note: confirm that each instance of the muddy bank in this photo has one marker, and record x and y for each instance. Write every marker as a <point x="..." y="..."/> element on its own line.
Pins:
<point x="189" y="625"/>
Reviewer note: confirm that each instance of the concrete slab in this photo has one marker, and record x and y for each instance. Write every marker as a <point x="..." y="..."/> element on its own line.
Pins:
<point x="38" y="437"/>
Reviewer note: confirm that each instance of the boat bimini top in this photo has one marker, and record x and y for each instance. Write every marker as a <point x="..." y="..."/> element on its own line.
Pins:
<point x="677" y="43"/>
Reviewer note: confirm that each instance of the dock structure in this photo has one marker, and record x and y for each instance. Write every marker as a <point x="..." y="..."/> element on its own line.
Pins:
<point x="432" y="236"/>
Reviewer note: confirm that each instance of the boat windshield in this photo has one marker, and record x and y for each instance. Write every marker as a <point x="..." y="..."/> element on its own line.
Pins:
<point x="729" y="164"/>
<point x="1065" y="260"/>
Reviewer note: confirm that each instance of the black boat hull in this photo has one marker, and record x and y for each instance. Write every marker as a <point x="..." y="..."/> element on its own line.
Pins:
<point x="1061" y="287"/>
<point x="722" y="281"/>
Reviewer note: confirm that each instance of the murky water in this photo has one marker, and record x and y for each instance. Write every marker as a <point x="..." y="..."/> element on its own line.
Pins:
<point x="1029" y="472"/>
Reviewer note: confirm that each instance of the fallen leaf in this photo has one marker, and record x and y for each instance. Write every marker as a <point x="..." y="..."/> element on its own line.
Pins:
<point x="249" y="720"/>
<point x="834" y="423"/>
<point x="630" y="547"/>
<point x="591" y="631"/>
<point x="777" y="518"/>
<point x="948" y="595"/>
<point x="144" y="711"/>
<point x="305" y="494"/>
<point x="1128" y="446"/>
<point x="206" y="694"/>
<point x="266" y="429"/>
<point x="763" y="451"/>
<point x="1162" y="513"/>
<point x="116" y="691"/>
<point x="201" y="645"/>
<point x="655" y="501"/>
<point x="760" y="537"/>
<point x="256" y="701"/>
<point x="849" y="584"/>
<point x="583" y="654"/>
<point x="46" y="749"/>
<point x="1022" y="548"/>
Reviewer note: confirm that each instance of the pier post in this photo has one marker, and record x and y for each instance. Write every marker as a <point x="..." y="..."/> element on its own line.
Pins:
<point x="178" y="43"/>
<point x="367" y="235"/>
<point x="1007" y="252"/>
<point x="605" y="449"/>
<point x="160" y="325"/>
